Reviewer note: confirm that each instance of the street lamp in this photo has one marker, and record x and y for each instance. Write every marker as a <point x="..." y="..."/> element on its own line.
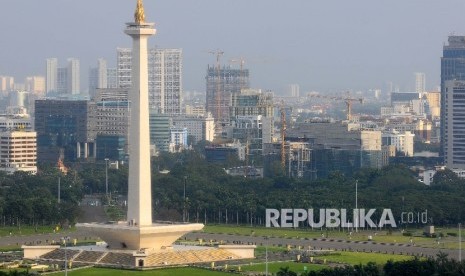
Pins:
<point x="460" y="242"/>
<point x="66" y="256"/>
<point x="59" y="189"/>
<point x="356" y="206"/>
<point x="266" y="256"/>
<point x="106" y="177"/>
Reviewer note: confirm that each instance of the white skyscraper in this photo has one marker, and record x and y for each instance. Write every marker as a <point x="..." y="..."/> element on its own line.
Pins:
<point x="51" y="75"/>
<point x="294" y="90"/>
<point x="102" y="73"/>
<point x="98" y="77"/>
<point x="6" y="83"/>
<point x="165" y="77"/>
<point x="420" y="82"/>
<point x="35" y="84"/>
<point x="74" y="76"/>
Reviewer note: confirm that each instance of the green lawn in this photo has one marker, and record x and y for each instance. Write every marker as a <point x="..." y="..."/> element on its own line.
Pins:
<point x="158" y="272"/>
<point x="274" y="267"/>
<point x="362" y="258"/>
<point x="352" y="258"/>
<point x="447" y="242"/>
<point x="29" y="230"/>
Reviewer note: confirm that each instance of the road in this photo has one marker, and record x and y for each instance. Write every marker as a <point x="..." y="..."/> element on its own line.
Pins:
<point x="328" y="244"/>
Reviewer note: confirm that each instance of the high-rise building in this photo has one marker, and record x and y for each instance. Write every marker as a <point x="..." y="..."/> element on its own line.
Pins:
<point x="74" y="76"/>
<point x="339" y="147"/>
<point x="6" y="84"/>
<point x="420" y="82"/>
<point x="93" y="81"/>
<point x="15" y="119"/>
<point x="18" y="151"/>
<point x="254" y="130"/>
<point x="454" y="123"/>
<point x="62" y="81"/>
<point x="160" y="125"/>
<point x="165" y="77"/>
<point x="199" y="128"/>
<point x="178" y="139"/>
<point x="64" y="130"/>
<point x="434" y="103"/>
<point x="51" y="75"/>
<point x="112" y="115"/>
<point x="98" y="77"/>
<point x="403" y="142"/>
<point x="220" y="84"/>
<point x="294" y="90"/>
<point x="452" y="68"/>
<point x="102" y="73"/>
<point x="112" y="78"/>
<point x="251" y="102"/>
<point x="35" y="84"/>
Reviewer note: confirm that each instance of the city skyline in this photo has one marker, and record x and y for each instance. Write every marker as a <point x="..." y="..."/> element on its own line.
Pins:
<point x="318" y="45"/>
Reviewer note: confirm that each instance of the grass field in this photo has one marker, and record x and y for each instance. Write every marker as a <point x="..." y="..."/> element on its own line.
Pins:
<point x="382" y="236"/>
<point x="354" y="258"/>
<point x="29" y="230"/>
<point x="160" y="272"/>
<point x="274" y="267"/>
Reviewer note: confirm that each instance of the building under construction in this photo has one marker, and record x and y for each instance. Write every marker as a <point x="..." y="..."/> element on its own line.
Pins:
<point x="298" y="159"/>
<point x="220" y="84"/>
<point x="251" y="102"/>
<point x="315" y="150"/>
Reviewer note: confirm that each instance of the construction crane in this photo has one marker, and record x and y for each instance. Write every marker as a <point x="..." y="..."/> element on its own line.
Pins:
<point x="241" y="61"/>
<point x="218" y="93"/>
<point x="348" y="100"/>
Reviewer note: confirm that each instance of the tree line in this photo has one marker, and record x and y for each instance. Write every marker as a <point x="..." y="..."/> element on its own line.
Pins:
<point x="212" y="196"/>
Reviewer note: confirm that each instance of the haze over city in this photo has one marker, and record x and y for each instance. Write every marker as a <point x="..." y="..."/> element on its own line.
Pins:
<point x="321" y="45"/>
<point x="214" y="137"/>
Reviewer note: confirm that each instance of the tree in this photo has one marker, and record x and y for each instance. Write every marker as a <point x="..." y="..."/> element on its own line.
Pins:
<point x="284" y="271"/>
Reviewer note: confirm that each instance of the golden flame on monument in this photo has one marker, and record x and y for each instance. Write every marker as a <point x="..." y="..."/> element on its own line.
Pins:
<point x="139" y="15"/>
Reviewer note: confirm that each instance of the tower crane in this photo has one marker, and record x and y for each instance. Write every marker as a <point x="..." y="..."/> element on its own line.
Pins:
<point x="348" y="100"/>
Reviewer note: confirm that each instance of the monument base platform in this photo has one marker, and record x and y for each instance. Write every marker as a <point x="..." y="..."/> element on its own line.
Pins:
<point x="99" y="255"/>
<point x="155" y="237"/>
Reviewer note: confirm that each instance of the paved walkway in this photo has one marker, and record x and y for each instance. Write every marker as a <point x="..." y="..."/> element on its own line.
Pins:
<point x="341" y="245"/>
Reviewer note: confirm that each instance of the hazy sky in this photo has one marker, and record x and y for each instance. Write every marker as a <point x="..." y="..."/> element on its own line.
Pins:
<point x="322" y="45"/>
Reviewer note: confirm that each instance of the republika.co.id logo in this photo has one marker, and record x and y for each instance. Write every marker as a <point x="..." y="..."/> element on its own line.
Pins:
<point x="286" y="218"/>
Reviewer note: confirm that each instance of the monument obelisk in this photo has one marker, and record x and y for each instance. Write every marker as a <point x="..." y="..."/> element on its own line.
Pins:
<point x="139" y="185"/>
<point x="139" y="231"/>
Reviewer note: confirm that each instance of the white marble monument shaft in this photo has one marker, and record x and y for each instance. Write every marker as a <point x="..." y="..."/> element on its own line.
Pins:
<point x="139" y="189"/>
